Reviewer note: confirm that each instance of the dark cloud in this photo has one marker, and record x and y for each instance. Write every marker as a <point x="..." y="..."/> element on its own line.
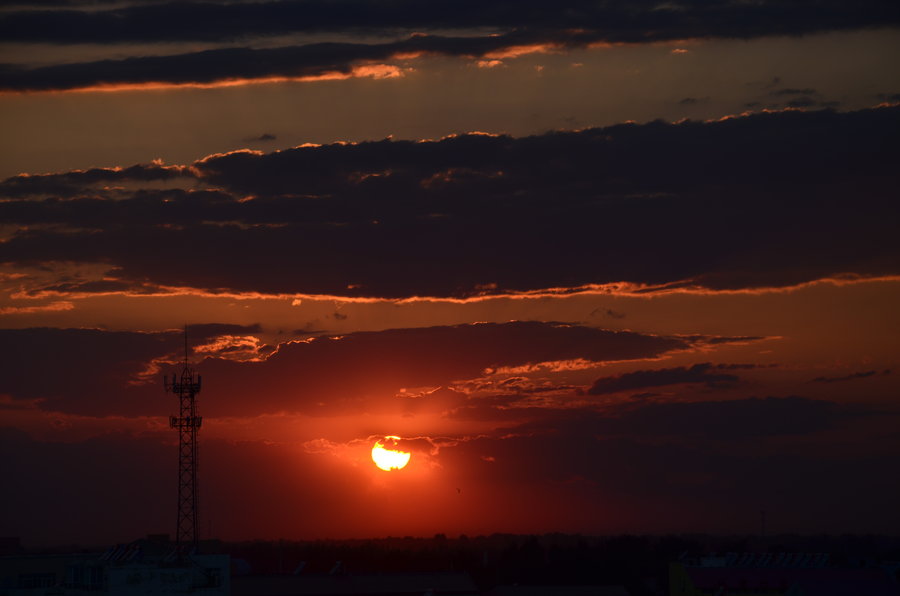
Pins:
<point x="727" y="421"/>
<point x="689" y="101"/>
<point x="851" y="377"/>
<point x="783" y="198"/>
<point x="309" y="329"/>
<point x="790" y="91"/>
<point x="640" y="379"/>
<point x="76" y="182"/>
<point x="727" y="339"/>
<point x="635" y="22"/>
<point x="99" y="287"/>
<point x="202" y="331"/>
<point x="730" y="420"/>
<point x="92" y="370"/>
<point x="366" y="369"/>
<point x="510" y="400"/>
<point x="689" y="477"/>
<point x="84" y="362"/>
<point x="140" y="208"/>
<point x="222" y="64"/>
<point x="567" y="24"/>
<point x="741" y="366"/>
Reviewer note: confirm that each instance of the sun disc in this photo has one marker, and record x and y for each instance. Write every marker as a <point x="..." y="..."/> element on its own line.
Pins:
<point x="389" y="459"/>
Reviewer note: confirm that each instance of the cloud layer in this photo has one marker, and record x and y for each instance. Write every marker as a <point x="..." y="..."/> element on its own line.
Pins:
<point x="482" y="29"/>
<point x="764" y="200"/>
<point x="99" y="372"/>
<point x="642" y="379"/>
<point x="638" y="21"/>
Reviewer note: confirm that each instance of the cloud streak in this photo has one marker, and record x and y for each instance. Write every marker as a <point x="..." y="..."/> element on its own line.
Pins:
<point x="704" y="373"/>
<point x="409" y="27"/>
<point x="851" y="377"/>
<point x="97" y="370"/>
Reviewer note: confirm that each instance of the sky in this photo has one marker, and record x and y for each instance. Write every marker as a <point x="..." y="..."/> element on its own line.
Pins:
<point x="603" y="267"/>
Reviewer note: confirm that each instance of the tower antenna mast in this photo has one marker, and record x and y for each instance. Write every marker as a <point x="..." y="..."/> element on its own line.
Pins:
<point x="187" y="423"/>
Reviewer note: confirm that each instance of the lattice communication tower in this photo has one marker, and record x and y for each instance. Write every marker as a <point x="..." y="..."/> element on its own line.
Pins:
<point x="186" y="387"/>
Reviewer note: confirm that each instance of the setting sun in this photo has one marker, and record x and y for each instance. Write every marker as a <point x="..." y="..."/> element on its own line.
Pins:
<point x="389" y="459"/>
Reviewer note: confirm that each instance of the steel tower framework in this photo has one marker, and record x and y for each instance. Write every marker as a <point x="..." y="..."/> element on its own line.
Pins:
<point x="186" y="387"/>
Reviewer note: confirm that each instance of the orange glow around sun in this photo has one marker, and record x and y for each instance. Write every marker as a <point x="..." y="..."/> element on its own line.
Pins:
<point x="389" y="459"/>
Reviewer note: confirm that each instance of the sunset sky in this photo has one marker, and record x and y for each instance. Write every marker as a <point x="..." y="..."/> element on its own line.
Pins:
<point x="602" y="266"/>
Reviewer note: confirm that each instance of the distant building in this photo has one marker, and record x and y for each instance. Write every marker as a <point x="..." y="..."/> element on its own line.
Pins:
<point x="768" y="574"/>
<point x="24" y="574"/>
<point x="346" y="584"/>
<point x="143" y="567"/>
<point x="558" y="591"/>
